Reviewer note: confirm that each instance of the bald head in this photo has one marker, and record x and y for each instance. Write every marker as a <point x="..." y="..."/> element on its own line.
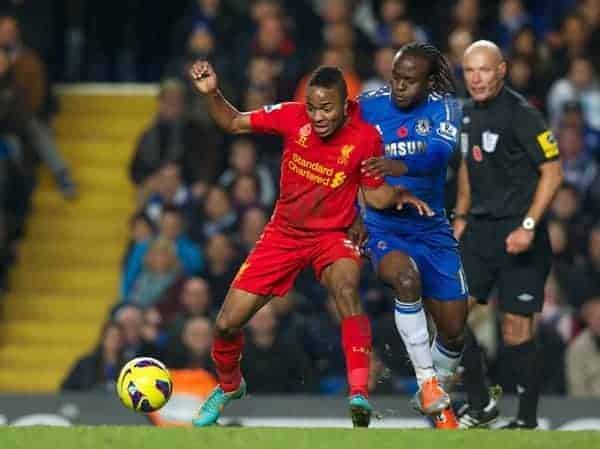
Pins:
<point x="487" y="48"/>
<point x="484" y="70"/>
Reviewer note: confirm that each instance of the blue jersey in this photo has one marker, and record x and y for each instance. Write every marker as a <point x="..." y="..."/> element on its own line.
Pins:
<point x="423" y="138"/>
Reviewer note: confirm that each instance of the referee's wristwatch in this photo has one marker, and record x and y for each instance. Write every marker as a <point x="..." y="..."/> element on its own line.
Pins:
<point x="528" y="224"/>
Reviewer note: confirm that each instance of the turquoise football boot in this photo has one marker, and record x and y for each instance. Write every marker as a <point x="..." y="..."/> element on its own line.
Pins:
<point x="360" y="410"/>
<point x="215" y="403"/>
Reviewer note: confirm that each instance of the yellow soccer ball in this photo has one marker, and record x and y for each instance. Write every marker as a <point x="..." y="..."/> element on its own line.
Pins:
<point x="144" y="385"/>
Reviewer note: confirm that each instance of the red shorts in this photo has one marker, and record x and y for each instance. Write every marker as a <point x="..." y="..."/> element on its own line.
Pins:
<point x="273" y="265"/>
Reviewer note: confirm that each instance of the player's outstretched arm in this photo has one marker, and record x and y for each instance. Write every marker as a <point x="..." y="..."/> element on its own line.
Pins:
<point x="224" y="113"/>
<point x="386" y="196"/>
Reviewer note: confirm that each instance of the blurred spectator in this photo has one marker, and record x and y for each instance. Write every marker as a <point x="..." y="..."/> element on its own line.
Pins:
<point x="583" y="356"/>
<point x="174" y="139"/>
<point x="383" y="62"/>
<point x="566" y="209"/>
<point x="526" y="46"/>
<point x="585" y="279"/>
<point x="193" y="300"/>
<point x="201" y="43"/>
<point x="252" y="225"/>
<point x="217" y="215"/>
<point x="131" y="320"/>
<point x="141" y="229"/>
<point x="265" y="348"/>
<point x="402" y="32"/>
<point x="17" y="161"/>
<point x="291" y="323"/>
<point x="556" y="313"/>
<point x="245" y="193"/>
<point x="215" y="15"/>
<point x="569" y="44"/>
<point x="391" y="11"/>
<point x="458" y="41"/>
<point x="243" y="160"/>
<point x="341" y="36"/>
<point x="460" y="14"/>
<point x="99" y="369"/>
<point x="341" y="59"/>
<point x="581" y="85"/>
<point x="193" y="349"/>
<point x="164" y="188"/>
<point x="29" y="70"/>
<point x="271" y="39"/>
<point x="170" y="229"/>
<point x="342" y="11"/>
<point x="513" y="16"/>
<point x="161" y="271"/>
<point x="572" y="115"/>
<point x="323" y="346"/>
<point x="28" y="73"/>
<point x="522" y="78"/>
<point x="579" y="169"/>
<point x="153" y="330"/>
<point x="222" y="264"/>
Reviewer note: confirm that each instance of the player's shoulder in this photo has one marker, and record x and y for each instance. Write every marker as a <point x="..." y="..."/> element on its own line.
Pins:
<point x="373" y="102"/>
<point x="444" y="107"/>
<point x="446" y="113"/>
<point x="363" y="131"/>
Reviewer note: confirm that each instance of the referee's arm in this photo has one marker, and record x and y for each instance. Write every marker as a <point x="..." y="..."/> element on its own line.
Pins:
<point x="532" y="133"/>
<point x="463" y="200"/>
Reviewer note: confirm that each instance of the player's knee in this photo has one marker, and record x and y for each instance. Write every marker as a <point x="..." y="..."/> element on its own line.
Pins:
<point x="516" y="329"/>
<point x="407" y="285"/>
<point x="453" y="338"/>
<point x="224" y="328"/>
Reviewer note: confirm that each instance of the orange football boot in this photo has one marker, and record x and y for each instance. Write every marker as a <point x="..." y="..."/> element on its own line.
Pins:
<point x="446" y="419"/>
<point x="432" y="397"/>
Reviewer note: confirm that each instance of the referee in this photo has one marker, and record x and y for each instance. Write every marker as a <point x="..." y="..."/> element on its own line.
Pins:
<point x="508" y="176"/>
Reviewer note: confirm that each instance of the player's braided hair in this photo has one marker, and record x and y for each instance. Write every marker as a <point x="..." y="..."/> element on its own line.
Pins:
<point x="439" y="69"/>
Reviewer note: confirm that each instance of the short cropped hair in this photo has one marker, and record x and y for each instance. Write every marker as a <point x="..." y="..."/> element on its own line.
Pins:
<point x="329" y="77"/>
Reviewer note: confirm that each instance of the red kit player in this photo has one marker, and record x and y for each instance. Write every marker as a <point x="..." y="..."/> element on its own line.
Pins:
<point x="325" y="142"/>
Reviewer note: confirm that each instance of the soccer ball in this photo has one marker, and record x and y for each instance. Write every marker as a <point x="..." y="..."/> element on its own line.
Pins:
<point x="144" y="385"/>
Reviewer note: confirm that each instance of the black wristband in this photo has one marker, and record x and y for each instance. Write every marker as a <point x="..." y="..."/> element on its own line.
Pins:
<point x="459" y="216"/>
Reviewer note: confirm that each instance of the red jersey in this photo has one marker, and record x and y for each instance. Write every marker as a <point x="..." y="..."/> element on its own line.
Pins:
<point x="319" y="178"/>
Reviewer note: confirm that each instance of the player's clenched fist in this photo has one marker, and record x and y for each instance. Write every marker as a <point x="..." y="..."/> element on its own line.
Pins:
<point x="204" y="77"/>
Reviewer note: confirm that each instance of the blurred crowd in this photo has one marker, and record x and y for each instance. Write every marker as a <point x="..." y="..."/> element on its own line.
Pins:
<point x="204" y="197"/>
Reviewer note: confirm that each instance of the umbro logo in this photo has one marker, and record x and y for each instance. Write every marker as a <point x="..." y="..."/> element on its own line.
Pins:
<point x="525" y="297"/>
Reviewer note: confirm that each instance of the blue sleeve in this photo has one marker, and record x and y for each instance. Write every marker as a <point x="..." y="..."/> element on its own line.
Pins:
<point x="133" y="268"/>
<point x="441" y="142"/>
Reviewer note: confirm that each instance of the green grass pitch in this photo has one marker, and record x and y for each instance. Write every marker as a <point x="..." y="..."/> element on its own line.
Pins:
<point x="266" y="438"/>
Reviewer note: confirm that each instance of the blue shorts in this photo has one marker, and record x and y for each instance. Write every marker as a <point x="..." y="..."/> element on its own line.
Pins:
<point x="436" y="255"/>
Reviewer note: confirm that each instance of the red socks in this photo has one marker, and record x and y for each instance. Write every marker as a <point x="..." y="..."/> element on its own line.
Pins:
<point x="356" y="342"/>
<point x="226" y="355"/>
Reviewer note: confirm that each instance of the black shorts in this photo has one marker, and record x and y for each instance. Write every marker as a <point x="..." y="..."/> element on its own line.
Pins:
<point x="520" y="278"/>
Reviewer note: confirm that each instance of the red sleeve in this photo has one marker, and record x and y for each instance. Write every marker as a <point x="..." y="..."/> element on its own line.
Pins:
<point x="272" y="119"/>
<point x="373" y="148"/>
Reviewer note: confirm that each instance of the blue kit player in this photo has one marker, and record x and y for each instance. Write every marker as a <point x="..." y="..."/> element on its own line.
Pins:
<point x="416" y="255"/>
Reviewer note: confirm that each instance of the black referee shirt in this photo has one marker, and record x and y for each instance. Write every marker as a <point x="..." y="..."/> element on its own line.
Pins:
<point x="504" y="140"/>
